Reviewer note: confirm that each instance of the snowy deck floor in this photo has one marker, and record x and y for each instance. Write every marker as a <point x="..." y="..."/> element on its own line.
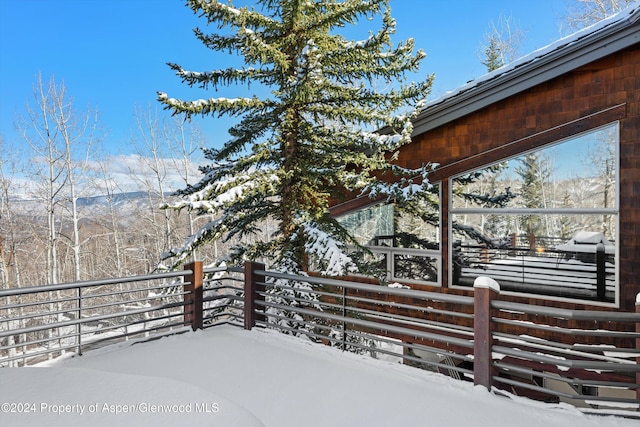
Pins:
<point x="226" y="376"/>
<point x="548" y="271"/>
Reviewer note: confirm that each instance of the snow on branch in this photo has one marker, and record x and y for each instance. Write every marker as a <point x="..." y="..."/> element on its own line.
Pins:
<point x="209" y="231"/>
<point x="216" y="11"/>
<point x="310" y="67"/>
<point x="379" y="38"/>
<point x="215" y="195"/>
<point x="388" y="142"/>
<point x="411" y="182"/>
<point x="216" y="78"/>
<point x="255" y="48"/>
<point x="360" y="44"/>
<point x="220" y="106"/>
<point x="330" y="251"/>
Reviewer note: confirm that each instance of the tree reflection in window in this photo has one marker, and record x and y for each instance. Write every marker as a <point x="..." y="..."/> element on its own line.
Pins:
<point x="552" y="194"/>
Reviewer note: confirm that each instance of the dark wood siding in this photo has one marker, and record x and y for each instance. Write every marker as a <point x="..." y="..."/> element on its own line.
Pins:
<point x="599" y="93"/>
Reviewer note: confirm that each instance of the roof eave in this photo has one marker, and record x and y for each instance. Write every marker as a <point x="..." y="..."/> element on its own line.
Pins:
<point x="618" y="36"/>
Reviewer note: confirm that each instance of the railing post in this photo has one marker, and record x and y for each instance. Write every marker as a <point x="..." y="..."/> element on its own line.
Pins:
<point x="601" y="273"/>
<point x="344" y="316"/>
<point x="251" y="288"/>
<point x="79" y="326"/>
<point x="485" y="289"/>
<point x="532" y="242"/>
<point x="638" y="347"/>
<point x="193" y="296"/>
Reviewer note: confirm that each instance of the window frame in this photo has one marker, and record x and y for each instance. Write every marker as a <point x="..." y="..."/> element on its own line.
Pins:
<point x="614" y="211"/>
<point x="391" y="251"/>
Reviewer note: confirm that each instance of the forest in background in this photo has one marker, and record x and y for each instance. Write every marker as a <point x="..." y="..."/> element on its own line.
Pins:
<point x="70" y="212"/>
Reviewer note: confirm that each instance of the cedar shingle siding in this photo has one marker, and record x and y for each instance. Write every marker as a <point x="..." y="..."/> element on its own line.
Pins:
<point x="602" y="92"/>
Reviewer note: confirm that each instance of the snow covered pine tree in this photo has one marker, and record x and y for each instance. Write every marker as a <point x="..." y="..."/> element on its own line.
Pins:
<point x="313" y="140"/>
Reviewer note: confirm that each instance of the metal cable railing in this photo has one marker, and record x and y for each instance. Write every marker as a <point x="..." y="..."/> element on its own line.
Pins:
<point x="587" y="358"/>
<point x="590" y="367"/>
<point x="223" y="296"/>
<point x="556" y="358"/>
<point x="41" y="322"/>
<point x="410" y="326"/>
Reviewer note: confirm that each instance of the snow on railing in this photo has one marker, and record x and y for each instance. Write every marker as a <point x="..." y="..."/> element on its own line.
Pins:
<point x="42" y="322"/>
<point x="590" y="359"/>
<point x="586" y="358"/>
<point x="588" y="275"/>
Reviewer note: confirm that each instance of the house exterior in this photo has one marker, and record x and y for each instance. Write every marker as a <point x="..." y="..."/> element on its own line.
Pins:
<point x="563" y="121"/>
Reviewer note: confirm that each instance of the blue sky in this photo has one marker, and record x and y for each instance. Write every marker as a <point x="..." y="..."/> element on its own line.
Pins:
<point x="111" y="54"/>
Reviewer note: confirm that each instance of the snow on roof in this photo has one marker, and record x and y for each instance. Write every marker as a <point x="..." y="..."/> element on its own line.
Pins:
<point x="537" y="58"/>
<point x="226" y="376"/>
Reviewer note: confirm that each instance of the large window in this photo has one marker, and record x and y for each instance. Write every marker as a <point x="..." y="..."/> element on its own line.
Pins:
<point x="403" y="248"/>
<point x="545" y="222"/>
<point x="368" y="224"/>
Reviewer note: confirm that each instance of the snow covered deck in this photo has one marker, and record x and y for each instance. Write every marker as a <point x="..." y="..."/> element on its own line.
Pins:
<point x="226" y="376"/>
<point x="543" y="271"/>
<point x="571" y="273"/>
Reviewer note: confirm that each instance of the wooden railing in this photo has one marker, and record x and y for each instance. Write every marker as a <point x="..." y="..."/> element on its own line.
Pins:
<point x="582" y="276"/>
<point x="480" y="338"/>
<point x="477" y="337"/>
<point x="42" y="322"/>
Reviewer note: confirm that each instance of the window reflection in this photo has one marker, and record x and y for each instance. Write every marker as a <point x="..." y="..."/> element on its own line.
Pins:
<point x="544" y="222"/>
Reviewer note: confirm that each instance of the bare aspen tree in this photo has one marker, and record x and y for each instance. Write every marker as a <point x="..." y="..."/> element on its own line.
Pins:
<point x="39" y="131"/>
<point x="601" y="161"/>
<point x="60" y="139"/>
<point x="582" y="13"/>
<point x="151" y="147"/>
<point x="77" y="133"/>
<point x="5" y="221"/>
<point x="109" y="189"/>
<point x="8" y="250"/>
<point x="501" y="43"/>
<point x="185" y="147"/>
<point x="4" y="264"/>
<point x="56" y="134"/>
<point x="8" y="226"/>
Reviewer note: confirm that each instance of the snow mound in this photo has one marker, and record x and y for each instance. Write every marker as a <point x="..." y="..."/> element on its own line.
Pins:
<point x="78" y="396"/>
<point x="285" y="381"/>
<point x="486" y="282"/>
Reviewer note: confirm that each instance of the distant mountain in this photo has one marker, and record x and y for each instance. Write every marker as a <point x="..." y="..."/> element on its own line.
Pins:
<point x="93" y="205"/>
<point x="118" y="199"/>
